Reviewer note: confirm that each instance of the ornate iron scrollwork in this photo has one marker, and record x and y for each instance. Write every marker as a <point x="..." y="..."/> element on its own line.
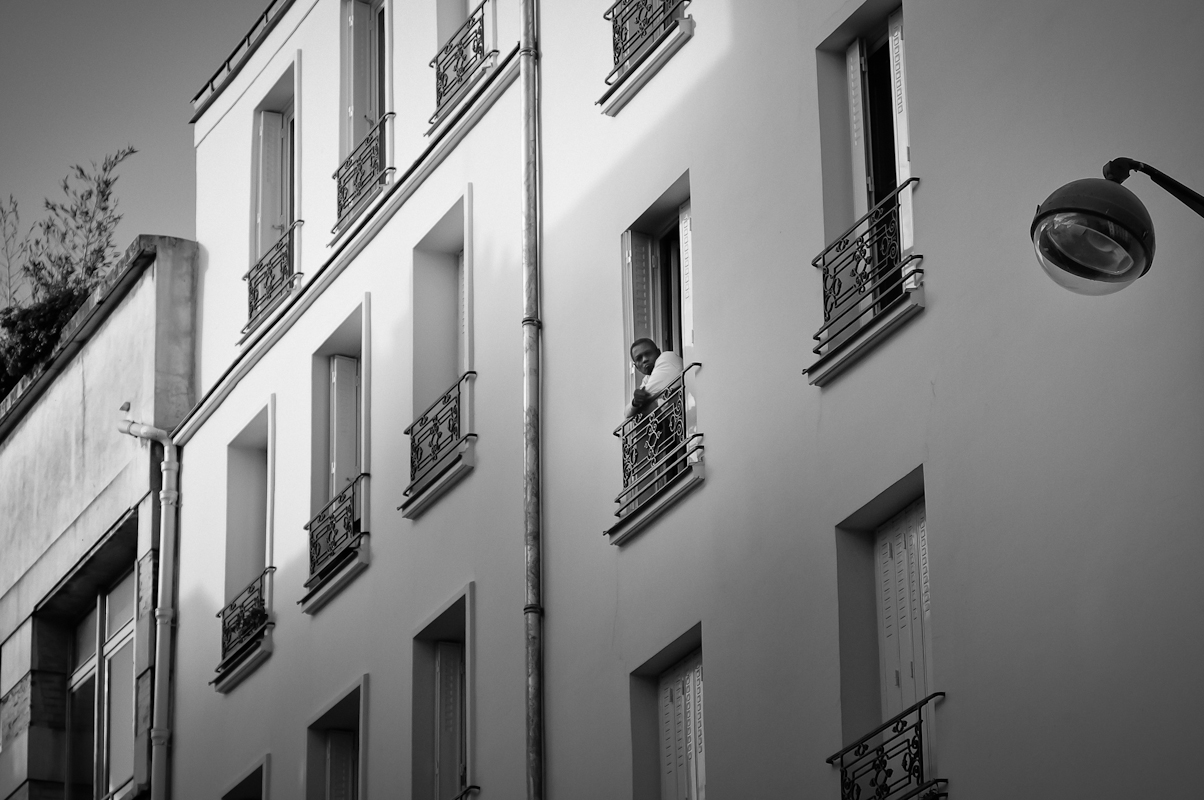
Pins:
<point x="863" y="269"/>
<point x="271" y="279"/>
<point x="437" y="432"/>
<point x="635" y="26"/>
<point x="362" y="171"/>
<point x="335" y="530"/>
<point x="245" y="618"/>
<point x="888" y="762"/>
<point x="457" y="63"/>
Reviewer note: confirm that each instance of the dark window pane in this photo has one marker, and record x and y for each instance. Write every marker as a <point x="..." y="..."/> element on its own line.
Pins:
<point x="81" y="742"/>
<point x="120" y="606"/>
<point x="85" y="639"/>
<point x="120" y="749"/>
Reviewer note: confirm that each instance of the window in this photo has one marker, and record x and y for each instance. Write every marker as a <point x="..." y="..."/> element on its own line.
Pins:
<point x="871" y="276"/>
<point x="440" y="717"/>
<point x="661" y="444"/>
<point x="441" y="436"/>
<point x="337" y="530"/>
<point x="100" y="697"/>
<point x="246" y="615"/>
<point x="903" y="603"/>
<point x="274" y="202"/>
<point x="644" y="35"/>
<point x="362" y="139"/>
<point x="252" y="787"/>
<point x="334" y="744"/>
<point x="667" y="736"/>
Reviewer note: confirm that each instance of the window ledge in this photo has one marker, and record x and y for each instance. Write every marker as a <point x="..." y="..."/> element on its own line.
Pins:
<point x="455" y="466"/>
<point x="642" y="517"/>
<point x="335" y="582"/>
<point x="246" y="663"/>
<point x="634" y="79"/>
<point x="830" y="365"/>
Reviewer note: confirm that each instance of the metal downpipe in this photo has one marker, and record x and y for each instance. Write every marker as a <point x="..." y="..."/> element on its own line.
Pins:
<point x="532" y="474"/>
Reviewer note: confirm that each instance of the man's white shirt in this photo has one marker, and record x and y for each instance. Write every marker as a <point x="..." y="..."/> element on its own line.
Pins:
<point x="667" y="368"/>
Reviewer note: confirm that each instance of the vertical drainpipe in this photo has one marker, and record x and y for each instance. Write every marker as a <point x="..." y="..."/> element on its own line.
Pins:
<point x="532" y="511"/>
<point x="169" y="501"/>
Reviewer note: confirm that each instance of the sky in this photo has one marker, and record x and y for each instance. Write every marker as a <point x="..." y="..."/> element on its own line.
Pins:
<point x="80" y="79"/>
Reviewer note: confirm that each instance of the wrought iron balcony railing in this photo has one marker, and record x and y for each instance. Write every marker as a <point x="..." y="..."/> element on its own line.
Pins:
<point x="462" y="58"/>
<point x="334" y="534"/>
<point x="244" y="620"/>
<point x="362" y="172"/>
<point x="656" y="446"/>
<point x="888" y="762"/>
<point x="438" y="432"/>
<point x="637" y="27"/>
<point x="271" y="279"/>
<point x="865" y="271"/>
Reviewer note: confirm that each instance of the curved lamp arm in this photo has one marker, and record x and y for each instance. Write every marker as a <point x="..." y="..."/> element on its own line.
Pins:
<point x="1118" y="169"/>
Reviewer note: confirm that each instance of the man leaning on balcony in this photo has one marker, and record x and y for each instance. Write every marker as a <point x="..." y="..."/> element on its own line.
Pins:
<point x="659" y="370"/>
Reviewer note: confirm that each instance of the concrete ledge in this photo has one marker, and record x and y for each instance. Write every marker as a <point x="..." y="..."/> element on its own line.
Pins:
<point x="250" y="661"/>
<point x="641" y="518"/>
<point x="457" y="464"/>
<point x="334" y="583"/>
<point x="830" y="365"/>
<point x="634" y="79"/>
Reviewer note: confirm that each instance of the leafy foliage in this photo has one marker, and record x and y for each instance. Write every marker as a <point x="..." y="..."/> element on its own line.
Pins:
<point x="61" y="259"/>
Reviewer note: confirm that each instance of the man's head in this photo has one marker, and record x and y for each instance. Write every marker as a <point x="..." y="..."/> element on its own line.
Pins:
<point x="644" y="354"/>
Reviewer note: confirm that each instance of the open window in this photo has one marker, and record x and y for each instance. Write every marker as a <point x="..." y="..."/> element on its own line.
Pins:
<point x="273" y="202"/>
<point x="338" y="531"/>
<point x="441" y="704"/>
<point x="442" y="439"/>
<point x="870" y="272"/>
<point x="661" y="445"/>
<point x="363" y="141"/>
<point x="247" y="612"/>
<point x="334" y="766"/>
<point x="667" y="732"/>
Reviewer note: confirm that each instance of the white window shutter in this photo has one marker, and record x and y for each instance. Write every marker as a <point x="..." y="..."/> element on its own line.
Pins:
<point x="693" y="693"/>
<point x="668" y="746"/>
<point x="903" y="589"/>
<point x="683" y="773"/>
<point x="898" y="81"/>
<point x="344" y="422"/>
<point x="888" y="628"/>
<point x="268" y="212"/>
<point x="462" y="311"/>
<point x="450" y="767"/>
<point x="855" y="78"/>
<point x="341" y="765"/>
<point x="685" y="228"/>
<point x="637" y="298"/>
<point x="361" y="93"/>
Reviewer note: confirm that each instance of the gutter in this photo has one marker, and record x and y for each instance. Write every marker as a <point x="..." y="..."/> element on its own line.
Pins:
<point x="169" y="502"/>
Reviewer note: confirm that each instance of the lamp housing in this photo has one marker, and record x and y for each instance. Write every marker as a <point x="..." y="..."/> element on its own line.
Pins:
<point x="1093" y="236"/>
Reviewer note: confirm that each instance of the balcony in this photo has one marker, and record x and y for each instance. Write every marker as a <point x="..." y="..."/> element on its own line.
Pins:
<point x="271" y="279"/>
<point x="888" y="762"/>
<point x="246" y="625"/>
<point x="441" y="447"/>
<point x="465" y="58"/>
<point x="662" y="458"/>
<point x="872" y="284"/>
<point x="338" y="546"/>
<point x="360" y="177"/>
<point x="644" y="35"/>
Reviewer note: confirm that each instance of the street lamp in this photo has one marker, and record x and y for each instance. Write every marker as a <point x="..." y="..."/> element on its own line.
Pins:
<point x="1093" y="236"/>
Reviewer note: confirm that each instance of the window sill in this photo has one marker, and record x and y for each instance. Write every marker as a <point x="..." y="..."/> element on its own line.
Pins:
<point x="447" y="474"/>
<point x="642" y="517"/>
<point x="331" y="584"/>
<point x="633" y="80"/>
<point x="832" y="364"/>
<point x="245" y="663"/>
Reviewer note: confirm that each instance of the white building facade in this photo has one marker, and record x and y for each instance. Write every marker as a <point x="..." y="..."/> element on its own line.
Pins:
<point x="902" y="478"/>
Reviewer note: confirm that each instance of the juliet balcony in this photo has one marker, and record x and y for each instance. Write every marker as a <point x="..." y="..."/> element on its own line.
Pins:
<point x="272" y="279"/>
<point x="442" y="446"/>
<point x="465" y="58"/>
<point x="872" y="284"/>
<point x="662" y="458"/>
<point x="363" y="173"/>
<point x="246" y="632"/>
<point x="888" y="763"/>
<point x="644" y="35"/>
<point x="338" y="545"/>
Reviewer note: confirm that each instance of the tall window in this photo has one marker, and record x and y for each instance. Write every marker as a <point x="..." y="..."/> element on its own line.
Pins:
<point x="275" y="210"/>
<point x="364" y="70"/>
<point x="100" y="702"/>
<point x="334" y="752"/>
<point x="881" y="152"/>
<point x="440" y="721"/>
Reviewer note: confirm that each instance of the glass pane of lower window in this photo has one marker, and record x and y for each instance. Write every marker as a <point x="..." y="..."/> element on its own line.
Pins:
<point x="119" y="751"/>
<point x="82" y="739"/>
<point x="119" y="606"/>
